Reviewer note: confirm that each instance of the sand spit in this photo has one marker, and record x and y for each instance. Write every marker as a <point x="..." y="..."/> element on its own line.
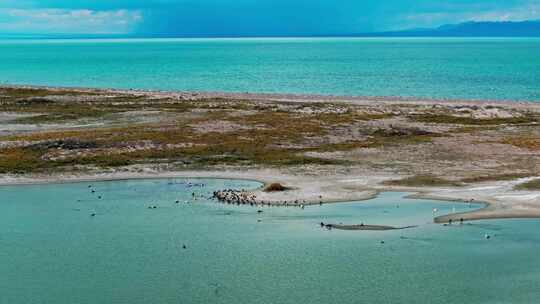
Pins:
<point x="323" y="149"/>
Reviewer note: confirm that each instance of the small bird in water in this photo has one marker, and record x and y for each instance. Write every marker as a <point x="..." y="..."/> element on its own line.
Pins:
<point x="184" y="246"/>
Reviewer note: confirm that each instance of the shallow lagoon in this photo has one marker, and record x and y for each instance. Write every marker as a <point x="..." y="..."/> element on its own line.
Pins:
<point x="53" y="251"/>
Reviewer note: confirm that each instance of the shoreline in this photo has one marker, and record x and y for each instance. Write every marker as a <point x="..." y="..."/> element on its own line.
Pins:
<point x="284" y="97"/>
<point x="493" y="208"/>
<point x="336" y="183"/>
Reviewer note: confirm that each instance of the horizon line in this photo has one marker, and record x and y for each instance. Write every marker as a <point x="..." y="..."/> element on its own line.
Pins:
<point x="114" y="36"/>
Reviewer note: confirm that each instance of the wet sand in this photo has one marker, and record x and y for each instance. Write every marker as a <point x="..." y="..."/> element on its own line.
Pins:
<point x="300" y="98"/>
<point x="366" y="227"/>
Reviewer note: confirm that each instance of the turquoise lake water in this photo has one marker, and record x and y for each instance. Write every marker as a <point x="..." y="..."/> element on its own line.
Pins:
<point x="456" y="68"/>
<point x="53" y="251"/>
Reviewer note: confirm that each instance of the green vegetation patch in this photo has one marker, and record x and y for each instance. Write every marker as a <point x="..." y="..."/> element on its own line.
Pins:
<point x="21" y="160"/>
<point x="495" y="177"/>
<point x="38" y="92"/>
<point x="57" y="112"/>
<point x="342" y="146"/>
<point x="465" y="120"/>
<point x="423" y="181"/>
<point x="531" y="143"/>
<point x="274" y="138"/>
<point x="533" y="185"/>
<point x="471" y="129"/>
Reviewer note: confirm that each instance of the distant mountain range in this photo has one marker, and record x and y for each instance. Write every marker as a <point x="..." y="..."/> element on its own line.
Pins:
<point x="467" y="29"/>
<point x="470" y="29"/>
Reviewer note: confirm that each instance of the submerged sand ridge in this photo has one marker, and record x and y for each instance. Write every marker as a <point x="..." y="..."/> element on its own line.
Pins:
<point x="323" y="148"/>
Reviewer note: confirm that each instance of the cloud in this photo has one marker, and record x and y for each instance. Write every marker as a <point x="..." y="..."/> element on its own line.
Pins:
<point x="66" y="21"/>
<point x="522" y="12"/>
<point x="249" y="17"/>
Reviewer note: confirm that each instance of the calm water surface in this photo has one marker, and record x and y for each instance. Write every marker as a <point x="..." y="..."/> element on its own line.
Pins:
<point x="470" y="68"/>
<point x="53" y="251"/>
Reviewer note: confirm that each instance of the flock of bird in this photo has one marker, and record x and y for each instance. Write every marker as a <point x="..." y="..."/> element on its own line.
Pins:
<point x="235" y="197"/>
<point x="242" y="197"/>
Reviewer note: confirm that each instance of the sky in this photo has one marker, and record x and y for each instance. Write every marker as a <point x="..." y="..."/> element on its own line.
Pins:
<point x="249" y="17"/>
